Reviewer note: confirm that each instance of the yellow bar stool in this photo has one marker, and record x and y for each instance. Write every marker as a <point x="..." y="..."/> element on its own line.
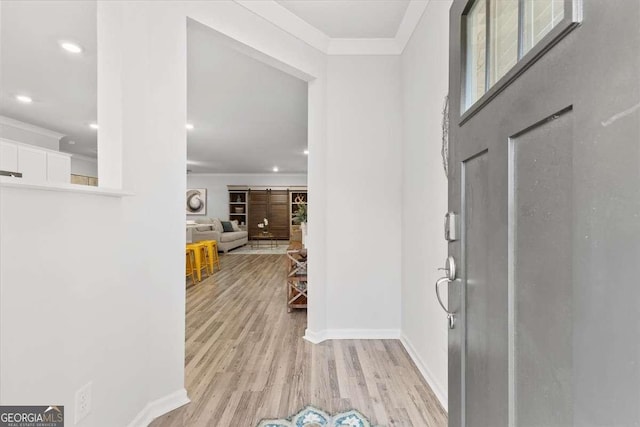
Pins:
<point x="212" y="249"/>
<point x="201" y="257"/>
<point x="191" y="264"/>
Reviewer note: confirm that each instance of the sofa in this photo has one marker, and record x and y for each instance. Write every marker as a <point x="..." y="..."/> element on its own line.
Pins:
<point x="211" y="229"/>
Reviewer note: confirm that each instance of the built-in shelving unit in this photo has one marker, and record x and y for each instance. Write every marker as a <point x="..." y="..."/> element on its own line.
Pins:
<point x="249" y="205"/>
<point x="297" y="196"/>
<point x="238" y="204"/>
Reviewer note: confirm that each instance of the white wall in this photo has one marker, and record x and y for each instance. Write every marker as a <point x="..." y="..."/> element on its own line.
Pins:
<point x="218" y="193"/>
<point x="84" y="166"/>
<point x="100" y="296"/>
<point x="364" y="182"/>
<point x="424" y="201"/>
<point x="72" y="311"/>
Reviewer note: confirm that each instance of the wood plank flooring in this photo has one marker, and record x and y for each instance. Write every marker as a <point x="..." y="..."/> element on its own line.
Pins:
<point x="246" y="359"/>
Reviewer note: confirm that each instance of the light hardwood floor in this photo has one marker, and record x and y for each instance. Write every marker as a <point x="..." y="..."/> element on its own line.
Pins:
<point x="246" y="359"/>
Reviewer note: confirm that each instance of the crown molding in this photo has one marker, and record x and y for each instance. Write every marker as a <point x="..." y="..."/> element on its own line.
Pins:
<point x="82" y="157"/>
<point x="291" y="23"/>
<point x="383" y="46"/>
<point x="288" y="21"/>
<point x="411" y="19"/>
<point x="7" y="121"/>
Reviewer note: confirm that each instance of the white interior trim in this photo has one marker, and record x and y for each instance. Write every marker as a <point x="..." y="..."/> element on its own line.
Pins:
<point x="314" y="337"/>
<point x="160" y="407"/>
<point x="288" y="21"/>
<point x="81" y="157"/>
<point x="7" y="121"/>
<point x="426" y="373"/>
<point x="12" y="182"/>
<point x="411" y="19"/>
<point x="351" y="334"/>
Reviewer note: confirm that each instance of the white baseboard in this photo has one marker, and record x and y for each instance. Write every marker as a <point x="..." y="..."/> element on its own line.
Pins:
<point x="351" y="334"/>
<point x="160" y="407"/>
<point x="426" y="373"/>
<point x="314" y="337"/>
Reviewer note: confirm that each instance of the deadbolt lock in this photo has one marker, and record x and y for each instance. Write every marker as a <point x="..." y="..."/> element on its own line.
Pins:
<point x="450" y="227"/>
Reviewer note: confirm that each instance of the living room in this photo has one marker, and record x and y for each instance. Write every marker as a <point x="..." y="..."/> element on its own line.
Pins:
<point x="247" y="153"/>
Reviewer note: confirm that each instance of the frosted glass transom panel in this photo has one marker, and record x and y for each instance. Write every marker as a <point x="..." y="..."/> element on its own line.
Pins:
<point x="497" y="34"/>
<point x="503" y="37"/>
<point x="540" y="16"/>
<point x="476" y="52"/>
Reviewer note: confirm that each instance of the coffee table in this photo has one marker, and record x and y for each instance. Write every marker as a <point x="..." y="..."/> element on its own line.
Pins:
<point x="257" y="238"/>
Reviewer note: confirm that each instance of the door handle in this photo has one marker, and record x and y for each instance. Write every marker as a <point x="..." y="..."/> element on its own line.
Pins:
<point x="450" y="277"/>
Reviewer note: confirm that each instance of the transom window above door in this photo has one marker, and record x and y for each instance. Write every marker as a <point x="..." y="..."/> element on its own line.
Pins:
<point x="502" y="37"/>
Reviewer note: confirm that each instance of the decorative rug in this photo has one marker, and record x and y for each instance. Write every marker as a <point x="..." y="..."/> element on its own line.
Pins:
<point x="264" y="249"/>
<point x="314" y="417"/>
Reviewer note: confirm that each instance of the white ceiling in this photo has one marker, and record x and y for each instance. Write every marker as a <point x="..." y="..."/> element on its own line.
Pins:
<point x="351" y="18"/>
<point x="62" y="85"/>
<point x="248" y="116"/>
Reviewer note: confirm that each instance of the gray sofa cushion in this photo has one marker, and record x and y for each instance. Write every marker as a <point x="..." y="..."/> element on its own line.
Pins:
<point x="230" y="237"/>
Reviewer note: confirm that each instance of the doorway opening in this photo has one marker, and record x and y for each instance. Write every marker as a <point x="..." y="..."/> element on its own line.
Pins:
<point x="247" y="156"/>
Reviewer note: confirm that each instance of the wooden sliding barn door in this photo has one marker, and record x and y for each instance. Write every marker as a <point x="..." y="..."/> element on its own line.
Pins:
<point x="258" y="210"/>
<point x="279" y="213"/>
<point x="271" y="204"/>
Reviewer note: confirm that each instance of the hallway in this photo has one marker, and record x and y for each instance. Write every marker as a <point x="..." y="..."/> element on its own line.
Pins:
<point x="246" y="359"/>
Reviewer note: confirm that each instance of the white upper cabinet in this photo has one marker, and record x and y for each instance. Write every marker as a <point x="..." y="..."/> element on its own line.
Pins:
<point x="58" y="168"/>
<point x="8" y="156"/>
<point x="35" y="163"/>
<point x="32" y="163"/>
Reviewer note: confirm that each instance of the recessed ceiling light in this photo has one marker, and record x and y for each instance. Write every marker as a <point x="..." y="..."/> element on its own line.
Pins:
<point x="24" y="99"/>
<point x="306" y="152"/>
<point x="189" y="126"/>
<point x="93" y="126"/>
<point x="275" y="169"/>
<point x="71" y="47"/>
<point x="71" y="142"/>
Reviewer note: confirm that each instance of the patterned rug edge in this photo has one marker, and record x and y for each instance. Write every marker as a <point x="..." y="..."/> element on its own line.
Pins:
<point x="310" y="416"/>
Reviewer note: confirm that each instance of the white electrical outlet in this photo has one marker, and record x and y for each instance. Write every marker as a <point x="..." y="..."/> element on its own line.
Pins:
<point x="83" y="402"/>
